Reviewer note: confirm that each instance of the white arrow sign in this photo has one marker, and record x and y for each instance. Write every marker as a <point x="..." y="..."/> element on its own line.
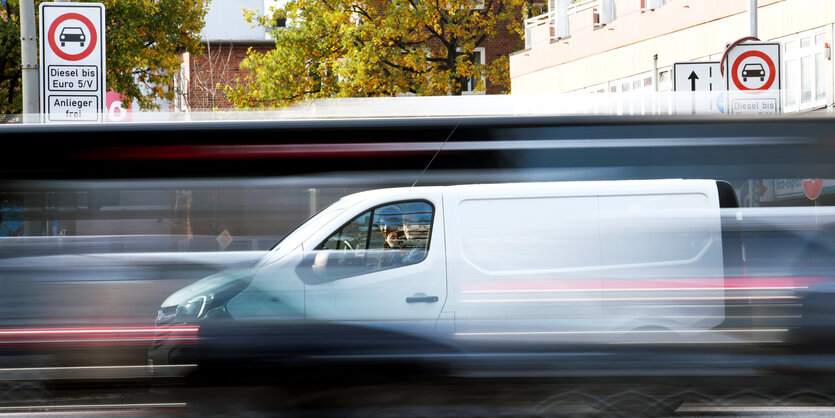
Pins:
<point x="697" y="76"/>
<point x="703" y="81"/>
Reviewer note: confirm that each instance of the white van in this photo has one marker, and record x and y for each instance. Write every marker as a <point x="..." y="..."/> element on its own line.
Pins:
<point x="564" y="261"/>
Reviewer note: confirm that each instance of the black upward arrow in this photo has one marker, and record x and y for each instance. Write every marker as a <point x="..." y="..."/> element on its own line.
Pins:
<point x="693" y="77"/>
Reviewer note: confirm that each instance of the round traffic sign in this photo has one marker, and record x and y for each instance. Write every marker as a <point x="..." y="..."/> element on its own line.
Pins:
<point x="812" y="188"/>
<point x="91" y="44"/>
<point x="759" y="54"/>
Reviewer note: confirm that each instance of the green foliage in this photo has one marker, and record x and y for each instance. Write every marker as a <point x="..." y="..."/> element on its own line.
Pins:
<point x="364" y="48"/>
<point x="143" y="39"/>
<point x="11" y="96"/>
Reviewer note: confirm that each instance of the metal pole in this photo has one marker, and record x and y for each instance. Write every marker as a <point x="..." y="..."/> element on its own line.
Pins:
<point x="29" y="60"/>
<point x="655" y="72"/>
<point x="657" y="101"/>
<point x="752" y="16"/>
<point x="312" y="201"/>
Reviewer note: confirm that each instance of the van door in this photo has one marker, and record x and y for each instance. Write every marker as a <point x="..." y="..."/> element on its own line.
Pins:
<point x="383" y="268"/>
<point x="524" y="262"/>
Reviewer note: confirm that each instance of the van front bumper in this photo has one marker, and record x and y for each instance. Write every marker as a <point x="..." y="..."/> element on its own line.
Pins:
<point x="172" y="351"/>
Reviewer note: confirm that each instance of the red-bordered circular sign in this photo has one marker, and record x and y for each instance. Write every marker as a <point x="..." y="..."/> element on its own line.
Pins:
<point x="812" y="188"/>
<point x="72" y="16"/>
<point x="759" y="54"/>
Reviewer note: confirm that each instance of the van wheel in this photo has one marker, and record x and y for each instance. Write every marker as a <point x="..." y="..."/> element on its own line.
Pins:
<point x="648" y="335"/>
<point x="635" y="402"/>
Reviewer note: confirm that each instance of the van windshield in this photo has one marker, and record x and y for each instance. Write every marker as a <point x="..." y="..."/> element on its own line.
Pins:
<point x="303" y="231"/>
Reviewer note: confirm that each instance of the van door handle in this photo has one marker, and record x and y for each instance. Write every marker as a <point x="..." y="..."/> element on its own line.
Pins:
<point x="420" y="297"/>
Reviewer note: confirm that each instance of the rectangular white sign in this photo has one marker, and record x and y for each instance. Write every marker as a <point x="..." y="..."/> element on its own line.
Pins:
<point x="72" y="62"/>
<point x="763" y="104"/>
<point x="73" y="108"/>
<point x="699" y="88"/>
<point x="697" y="76"/>
<point x="752" y="78"/>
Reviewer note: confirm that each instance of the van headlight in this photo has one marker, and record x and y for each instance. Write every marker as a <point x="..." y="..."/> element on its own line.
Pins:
<point x="192" y="310"/>
<point x="211" y="304"/>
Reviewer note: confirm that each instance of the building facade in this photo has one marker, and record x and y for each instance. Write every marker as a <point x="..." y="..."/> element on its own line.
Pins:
<point x="226" y="38"/>
<point x="621" y="46"/>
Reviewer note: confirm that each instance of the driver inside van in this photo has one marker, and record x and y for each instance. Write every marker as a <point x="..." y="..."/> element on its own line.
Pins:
<point x="391" y="226"/>
<point x="403" y="230"/>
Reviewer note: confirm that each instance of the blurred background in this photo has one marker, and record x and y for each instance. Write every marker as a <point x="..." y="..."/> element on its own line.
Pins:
<point x="96" y="233"/>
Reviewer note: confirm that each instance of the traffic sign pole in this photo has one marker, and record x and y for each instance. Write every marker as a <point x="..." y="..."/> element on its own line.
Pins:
<point x="28" y="60"/>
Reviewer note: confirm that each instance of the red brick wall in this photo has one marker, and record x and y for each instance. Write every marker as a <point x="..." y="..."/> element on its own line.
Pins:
<point x="219" y="64"/>
<point x="501" y="45"/>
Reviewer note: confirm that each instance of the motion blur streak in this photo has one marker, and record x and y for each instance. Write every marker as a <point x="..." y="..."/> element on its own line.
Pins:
<point x="143" y="367"/>
<point x="650" y="331"/>
<point x="202" y="152"/>
<point x="91" y="406"/>
<point x="672" y="284"/>
<point x="48" y="336"/>
<point x="257" y="151"/>
<point x="660" y="299"/>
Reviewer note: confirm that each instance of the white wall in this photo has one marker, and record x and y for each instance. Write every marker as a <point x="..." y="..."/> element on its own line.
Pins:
<point x="225" y="21"/>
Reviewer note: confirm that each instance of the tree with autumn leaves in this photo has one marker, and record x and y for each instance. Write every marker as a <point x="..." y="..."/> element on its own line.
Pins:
<point x="369" y="48"/>
<point x="144" y="39"/>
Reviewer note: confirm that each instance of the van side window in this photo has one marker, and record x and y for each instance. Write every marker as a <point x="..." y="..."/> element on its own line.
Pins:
<point x="353" y="236"/>
<point x="403" y="227"/>
<point x="385" y="237"/>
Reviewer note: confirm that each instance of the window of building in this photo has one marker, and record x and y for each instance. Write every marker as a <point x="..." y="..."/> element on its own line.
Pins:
<point x="650" y="5"/>
<point x="599" y="88"/>
<point x="804" y="71"/>
<point x="636" y="102"/>
<point x="469" y="85"/>
<point x="664" y="81"/>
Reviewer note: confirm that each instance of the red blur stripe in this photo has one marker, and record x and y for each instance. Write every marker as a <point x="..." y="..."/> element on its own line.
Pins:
<point x="97" y="336"/>
<point x="210" y="152"/>
<point x="580" y="285"/>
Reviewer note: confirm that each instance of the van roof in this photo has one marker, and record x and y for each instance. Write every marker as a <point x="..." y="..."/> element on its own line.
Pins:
<point x="601" y="186"/>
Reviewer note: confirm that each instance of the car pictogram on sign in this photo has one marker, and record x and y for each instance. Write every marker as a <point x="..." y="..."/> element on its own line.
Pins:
<point x="753" y="71"/>
<point x="72" y="34"/>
